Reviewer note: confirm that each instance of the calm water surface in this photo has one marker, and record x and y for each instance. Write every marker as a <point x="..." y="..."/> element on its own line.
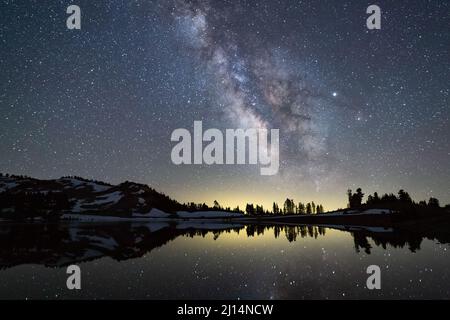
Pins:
<point x="218" y="261"/>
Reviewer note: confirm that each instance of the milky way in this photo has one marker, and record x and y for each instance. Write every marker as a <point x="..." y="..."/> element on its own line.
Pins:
<point x="355" y="107"/>
<point x="255" y="86"/>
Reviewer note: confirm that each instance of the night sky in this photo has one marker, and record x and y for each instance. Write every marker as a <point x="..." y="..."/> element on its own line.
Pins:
<point x="355" y="107"/>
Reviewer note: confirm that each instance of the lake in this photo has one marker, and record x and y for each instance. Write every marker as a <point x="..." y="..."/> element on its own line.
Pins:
<point x="194" y="260"/>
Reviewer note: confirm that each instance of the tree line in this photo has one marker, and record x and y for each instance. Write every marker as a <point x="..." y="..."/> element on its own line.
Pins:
<point x="31" y="205"/>
<point x="391" y="200"/>
<point x="403" y="206"/>
<point x="289" y="208"/>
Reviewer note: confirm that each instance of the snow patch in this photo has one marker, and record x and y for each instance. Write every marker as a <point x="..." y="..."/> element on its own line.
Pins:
<point x="113" y="197"/>
<point x="356" y="212"/>
<point x="92" y="217"/>
<point x="153" y="213"/>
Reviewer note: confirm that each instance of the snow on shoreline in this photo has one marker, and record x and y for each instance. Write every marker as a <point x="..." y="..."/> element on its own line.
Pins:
<point x="158" y="223"/>
<point x="210" y="215"/>
<point x="157" y="215"/>
<point x="341" y="213"/>
<point x="357" y="212"/>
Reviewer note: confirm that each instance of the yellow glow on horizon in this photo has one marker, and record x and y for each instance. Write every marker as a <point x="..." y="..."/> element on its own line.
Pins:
<point x="261" y="197"/>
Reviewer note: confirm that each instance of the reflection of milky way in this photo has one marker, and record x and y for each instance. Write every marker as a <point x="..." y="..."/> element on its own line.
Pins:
<point x="255" y="84"/>
<point x="229" y="261"/>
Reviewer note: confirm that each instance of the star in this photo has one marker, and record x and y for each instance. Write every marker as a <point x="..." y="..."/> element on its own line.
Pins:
<point x="104" y="105"/>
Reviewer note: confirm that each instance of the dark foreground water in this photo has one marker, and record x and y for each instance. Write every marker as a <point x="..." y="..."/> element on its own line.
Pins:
<point x="218" y="261"/>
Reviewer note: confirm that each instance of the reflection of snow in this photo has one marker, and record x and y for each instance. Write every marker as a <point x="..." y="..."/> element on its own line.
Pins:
<point x="208" y="214"/>
<point x="152" y="214"/>
<point x="108" y="243"/>
<point x="7" y="185"/>
<point x="92" y="217"/>
<point x="356" y="228"/>
<point x="206" y="225"/>
<point x="87" y="255"/>
<point x="155" y="226"/>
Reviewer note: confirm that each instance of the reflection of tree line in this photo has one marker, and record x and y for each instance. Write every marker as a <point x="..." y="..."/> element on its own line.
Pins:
<point x="56" y="244"/>
<point x="397" y="239"/>
<point x="362" y="238"/>
<point x="290" y="232"/>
